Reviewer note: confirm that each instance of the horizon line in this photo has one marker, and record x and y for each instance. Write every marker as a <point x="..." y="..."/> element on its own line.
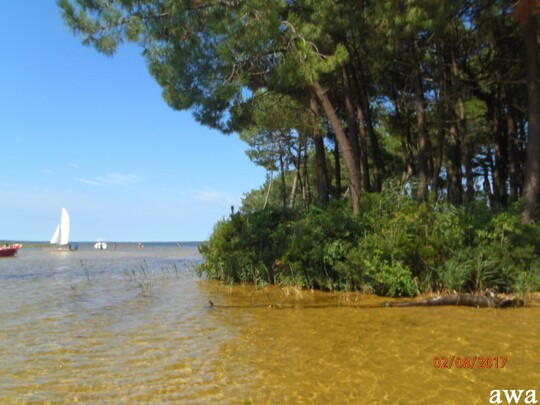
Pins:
<point x="105" y="240"/>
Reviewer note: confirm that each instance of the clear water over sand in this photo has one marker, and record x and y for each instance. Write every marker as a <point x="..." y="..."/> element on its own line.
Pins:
<point x="135" y="325"/>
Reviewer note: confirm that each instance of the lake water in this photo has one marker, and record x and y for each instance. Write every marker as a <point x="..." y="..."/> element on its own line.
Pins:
<point x="135" y="326"/>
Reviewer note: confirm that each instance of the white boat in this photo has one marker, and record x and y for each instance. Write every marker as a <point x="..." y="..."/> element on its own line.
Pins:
<point x="61" y="234"/>
<point x="100" y="245"/>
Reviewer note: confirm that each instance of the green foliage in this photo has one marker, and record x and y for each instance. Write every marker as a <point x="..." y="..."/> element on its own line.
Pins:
<point x="317" y="241"/>
<point x="503" y="254"/>
<point x="396" y="247"/>
<point x="388" y="277"/>
<point x="246" y="247"/>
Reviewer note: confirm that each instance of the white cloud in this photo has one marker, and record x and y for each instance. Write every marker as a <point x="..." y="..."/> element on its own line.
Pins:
<point x="208" y="196"/>
<point x="213" y="196"/>
<point x="112" y="179"/>
<point x="199" y="196"/>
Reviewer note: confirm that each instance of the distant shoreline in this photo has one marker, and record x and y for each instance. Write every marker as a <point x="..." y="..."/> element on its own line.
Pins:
<point x="45" y="244"/>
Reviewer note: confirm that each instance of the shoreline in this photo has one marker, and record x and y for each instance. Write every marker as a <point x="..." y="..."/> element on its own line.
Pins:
<point x="281" y="297"/>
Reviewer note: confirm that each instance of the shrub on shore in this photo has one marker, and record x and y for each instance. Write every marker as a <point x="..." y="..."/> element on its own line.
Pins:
<point x="396" y="247"/>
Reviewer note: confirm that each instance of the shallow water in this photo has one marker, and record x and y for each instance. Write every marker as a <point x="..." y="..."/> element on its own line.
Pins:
<point x="135" y="325"/>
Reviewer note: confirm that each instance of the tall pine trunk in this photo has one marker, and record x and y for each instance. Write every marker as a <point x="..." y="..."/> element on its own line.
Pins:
<point x="365" y="125"/>
<point x="352" y="125"/>
<point x="469" y="175"/>
<point x="351" y="163"/>
<point x="321" y="168"/>
<point x="403" y="126"/>
<point x="337" y="170"/>
<point x="363" y="150"/>
<point x="296" y="181"/>
<point x="364" y="111"/>
<point x="513" y="149"/>
<point x="531" y="187"/>
<point x="442" y="96"/>
<point x="424" y="146"/>
<point x="281" y="151"/>
<point x="456" y="192"/>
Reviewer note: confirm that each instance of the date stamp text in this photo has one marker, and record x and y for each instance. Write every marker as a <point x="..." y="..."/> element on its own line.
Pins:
<point x="469" y="362"/>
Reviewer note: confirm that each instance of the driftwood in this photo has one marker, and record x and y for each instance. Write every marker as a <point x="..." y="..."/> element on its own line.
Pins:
<point x="468" y="300"/>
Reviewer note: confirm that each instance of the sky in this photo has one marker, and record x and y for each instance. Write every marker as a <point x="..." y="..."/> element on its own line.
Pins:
<point x="92" y="134"/>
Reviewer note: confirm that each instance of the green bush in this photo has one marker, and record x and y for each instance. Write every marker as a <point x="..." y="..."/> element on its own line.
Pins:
<point x="395" y="247"/>
<point x="317" y="241"/>
<point x="246" y="247"/>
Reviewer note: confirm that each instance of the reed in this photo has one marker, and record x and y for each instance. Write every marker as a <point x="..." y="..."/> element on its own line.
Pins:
<point x="142" y="276"/>
<point x="170" y="269"/>
<point x="74" y="289"/>
<point x="143" y="280"/>
<point x="86" y="272"/>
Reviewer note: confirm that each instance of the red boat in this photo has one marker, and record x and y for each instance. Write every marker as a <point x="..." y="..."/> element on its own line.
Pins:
<point x="9" y="250"/>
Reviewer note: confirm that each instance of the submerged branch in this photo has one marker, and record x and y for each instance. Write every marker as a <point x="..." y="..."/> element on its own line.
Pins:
<point x="469" y="300"/>
<point x="489" y="300"/>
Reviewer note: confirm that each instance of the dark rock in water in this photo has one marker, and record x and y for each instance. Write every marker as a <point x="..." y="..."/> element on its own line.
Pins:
<point x="468" y="300"/>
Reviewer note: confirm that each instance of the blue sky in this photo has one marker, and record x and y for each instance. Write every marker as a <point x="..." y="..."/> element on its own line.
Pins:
<point x="92" y="134"/>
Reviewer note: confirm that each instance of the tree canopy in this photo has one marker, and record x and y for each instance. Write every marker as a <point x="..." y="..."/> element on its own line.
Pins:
<point x="443" y="93"/>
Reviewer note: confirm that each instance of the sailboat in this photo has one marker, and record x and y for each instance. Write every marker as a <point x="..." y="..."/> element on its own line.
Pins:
<point x="61" y="234"/>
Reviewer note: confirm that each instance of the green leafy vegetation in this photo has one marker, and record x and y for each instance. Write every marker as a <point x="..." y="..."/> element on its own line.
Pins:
<point x="396" y="247"/>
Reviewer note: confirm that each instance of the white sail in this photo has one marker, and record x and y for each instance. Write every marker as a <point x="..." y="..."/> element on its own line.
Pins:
<point x="61" y="234"/>
<point x="56" y="237"/>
